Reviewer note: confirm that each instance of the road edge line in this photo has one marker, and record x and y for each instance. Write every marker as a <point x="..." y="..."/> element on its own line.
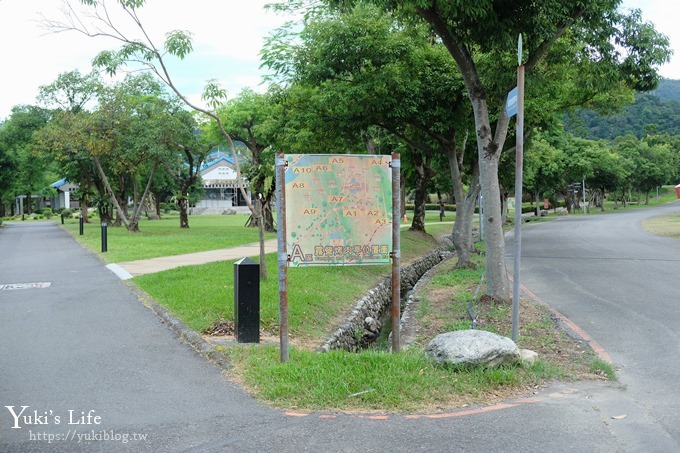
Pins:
<point x="572" y="326"/>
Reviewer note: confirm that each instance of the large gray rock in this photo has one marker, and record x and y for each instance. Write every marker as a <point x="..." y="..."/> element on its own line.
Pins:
<point x="472" y="347"/>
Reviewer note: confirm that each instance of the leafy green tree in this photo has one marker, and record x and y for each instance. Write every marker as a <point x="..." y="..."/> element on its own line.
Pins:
<point x="251" y="118"/>
<point x="135" y="128"/>
<point x="670" y="156"/>
<point x="363" y="67"/>
<point x="366" y="75"/>
<point x="64" y="141"/>
<point x="650" y="166"/>
<point x="71" y="91"/>
<point x="544" y="168"/>
<point x="7" y="173"/>
<point x="603" y="169"/>
<point x="481" y="38"/>
<point x="141" y="49"/>
<point x="180" y="172"/>
<point x="29" y="173"/>
<point x="68" y="95"/>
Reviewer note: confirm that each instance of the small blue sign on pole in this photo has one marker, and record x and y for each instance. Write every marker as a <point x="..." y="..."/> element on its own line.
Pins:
<point x="511" y="103"/>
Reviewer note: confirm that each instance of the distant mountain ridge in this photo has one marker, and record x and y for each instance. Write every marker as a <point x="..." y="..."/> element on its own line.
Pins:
<point x="657" y="112"/>
<point x="669" y="90"/>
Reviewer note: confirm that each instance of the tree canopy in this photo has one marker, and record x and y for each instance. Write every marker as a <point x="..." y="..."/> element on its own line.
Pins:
<point x="481" y="38"/>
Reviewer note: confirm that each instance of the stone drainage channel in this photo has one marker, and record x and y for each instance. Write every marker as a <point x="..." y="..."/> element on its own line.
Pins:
<point x="364" y="324"/>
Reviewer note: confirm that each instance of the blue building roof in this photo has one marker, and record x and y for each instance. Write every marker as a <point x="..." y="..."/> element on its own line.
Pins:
<point x="58" y="184"/>
<point x="215" y="157"/>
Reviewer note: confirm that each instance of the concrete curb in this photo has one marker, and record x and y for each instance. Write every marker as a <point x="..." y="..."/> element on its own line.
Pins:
<point x="119" y="271"/>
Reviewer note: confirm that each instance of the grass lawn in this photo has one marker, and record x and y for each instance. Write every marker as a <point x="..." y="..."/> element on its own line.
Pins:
<point x="373" y="380"/>
<point x="203" y="295"/>
<point x="164" y="237"/>
<point x="665" y="225"/>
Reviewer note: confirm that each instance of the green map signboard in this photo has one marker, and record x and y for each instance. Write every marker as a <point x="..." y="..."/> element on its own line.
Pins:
<point x="338" y="209"/>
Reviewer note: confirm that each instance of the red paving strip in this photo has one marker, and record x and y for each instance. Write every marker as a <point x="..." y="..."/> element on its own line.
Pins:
<point x="295" y="414"/>
<point x="375" y="417"/>
<point x="595" y="346"/>
<point x="462" y="413"/>
<point x="457" y="413"/>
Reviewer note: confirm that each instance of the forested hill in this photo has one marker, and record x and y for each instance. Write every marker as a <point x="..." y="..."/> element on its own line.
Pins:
<point x="657" y="112"/>
<point x="669" y="90"/>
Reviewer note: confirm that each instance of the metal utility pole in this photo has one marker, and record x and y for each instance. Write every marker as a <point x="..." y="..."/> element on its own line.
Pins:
<point x="519" y="163"/>
<point x="584" y="195"/>
<point x="396" y="253"/>
<point x="282" y="254"/>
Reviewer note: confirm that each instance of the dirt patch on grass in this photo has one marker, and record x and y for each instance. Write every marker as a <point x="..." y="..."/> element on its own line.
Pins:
<point x="222" y="333"/>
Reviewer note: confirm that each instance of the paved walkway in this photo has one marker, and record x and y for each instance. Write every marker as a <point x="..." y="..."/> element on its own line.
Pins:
<point x="129" y="269"/>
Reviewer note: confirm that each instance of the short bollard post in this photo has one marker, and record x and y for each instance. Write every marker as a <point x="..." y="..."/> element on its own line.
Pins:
<point x="82" y="223"/>
<point x="62" y="218"/>
<point x="247" y="301"/>
<point x="105" y="239"/>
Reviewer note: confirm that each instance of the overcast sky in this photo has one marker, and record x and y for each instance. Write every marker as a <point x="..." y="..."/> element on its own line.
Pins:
<point x="227" y="34"/>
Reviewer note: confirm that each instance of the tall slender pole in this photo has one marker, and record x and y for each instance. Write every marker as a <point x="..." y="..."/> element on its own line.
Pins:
<point x="584" y="194"/>
<point x="396" y="253"/>
<point x="282" y="253"/>
<point x="519" y="163"/>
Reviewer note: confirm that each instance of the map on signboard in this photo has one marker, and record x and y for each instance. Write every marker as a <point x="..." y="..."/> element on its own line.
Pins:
<point x="338" y="209"/>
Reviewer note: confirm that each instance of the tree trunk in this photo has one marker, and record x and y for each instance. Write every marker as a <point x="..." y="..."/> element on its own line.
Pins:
<point x="267" y="215"/>
<point x="422" y="181"/>
<point x="139" y="202"/>
<point x="131" y="224"/>
<point x="83" y="208"/>
<point x="402" y="197"/>
<point x="28" y="203"/>
<point x="121" y="211"/>
<point x="497" y="285"/>
<point x="261" y="228"/>
<point x="157" y="204"/>
<point x="183" y="204"/>
<point x="469" y="211"/>
<point x="538" y="204"/>
<point x="462" y="231"/>
<point x="489" y="149"/>
<point x="465" y="208"/>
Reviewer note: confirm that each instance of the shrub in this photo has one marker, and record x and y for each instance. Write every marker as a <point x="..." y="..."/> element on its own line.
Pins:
<point x="432" y="207"/>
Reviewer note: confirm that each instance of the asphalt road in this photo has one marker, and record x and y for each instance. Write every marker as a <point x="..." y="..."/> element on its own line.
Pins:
<point x="622" y="285"/>
<point x="85" y="347"/>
